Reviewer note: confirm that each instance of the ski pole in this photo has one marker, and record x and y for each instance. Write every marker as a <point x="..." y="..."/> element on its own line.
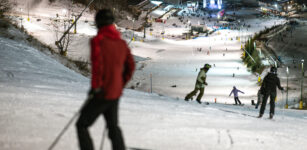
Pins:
<point x="67" y="126"/>
<point x="103" y="137"/>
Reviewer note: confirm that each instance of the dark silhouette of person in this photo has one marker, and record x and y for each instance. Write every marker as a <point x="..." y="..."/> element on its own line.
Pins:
<point x="270" y="82"/>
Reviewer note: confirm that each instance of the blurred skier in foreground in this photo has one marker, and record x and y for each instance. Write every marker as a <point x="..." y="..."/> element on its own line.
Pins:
<point x="112" y="68"/>
<point x="269" y="84"/>
<point x="235" y="92"/>
<point x="200" y="84"/>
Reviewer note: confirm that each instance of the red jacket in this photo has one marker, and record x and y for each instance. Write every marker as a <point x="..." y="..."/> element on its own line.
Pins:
<point x="112" y="62"/>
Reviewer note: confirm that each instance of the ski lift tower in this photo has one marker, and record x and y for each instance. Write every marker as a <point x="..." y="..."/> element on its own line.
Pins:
<point x="59" y="42"/>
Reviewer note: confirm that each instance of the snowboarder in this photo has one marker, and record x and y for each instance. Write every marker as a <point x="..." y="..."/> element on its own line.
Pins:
<point x="235" y="92"/>
<point x="270" y="82"/>
<point x="112" y="68"/>
<point x="200" y="84"/>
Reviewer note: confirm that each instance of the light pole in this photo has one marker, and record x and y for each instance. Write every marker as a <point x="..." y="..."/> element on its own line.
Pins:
<point x="189" y="28"/>
<point x="287" y="88"/>
<point x="64" y="11"/>
<point x="133" y="29"/>
<point x="28" y="6"/>
<point x="21" y="21"/>
<point x="249" y="44"/>
<point x="21" y="18"/>
<point x="302" y="86"/>
<point x="75" y="30"/>
<point x="163" y="31"/>
<point x="146" y="19"/>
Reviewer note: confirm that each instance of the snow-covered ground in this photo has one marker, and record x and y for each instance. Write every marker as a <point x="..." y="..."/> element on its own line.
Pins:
<point x="39" y="96"/>
<point x="170" y="62"/>
<point x="177" y="62"/>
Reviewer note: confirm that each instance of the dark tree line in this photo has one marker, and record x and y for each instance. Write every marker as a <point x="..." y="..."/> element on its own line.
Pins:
<point x="98" y="4"/>
<point x="301" y="1"/>
<point x="111" y="4"/>
<point x="5" y="6"/>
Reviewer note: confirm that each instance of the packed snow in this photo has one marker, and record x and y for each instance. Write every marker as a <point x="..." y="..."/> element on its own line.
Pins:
<point x="39" y="95"/>
<point x="169" y="62"/>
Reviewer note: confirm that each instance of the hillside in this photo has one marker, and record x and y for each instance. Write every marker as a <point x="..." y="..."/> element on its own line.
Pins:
<point x="39" y="95"/>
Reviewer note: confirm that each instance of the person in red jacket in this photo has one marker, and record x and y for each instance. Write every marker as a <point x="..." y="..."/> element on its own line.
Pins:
<point x="112" y="68"/>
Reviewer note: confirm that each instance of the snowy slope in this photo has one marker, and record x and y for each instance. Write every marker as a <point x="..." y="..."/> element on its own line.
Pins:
<point x="38" y="96"/>
<point x="170" y="62"/>
<point x="34" y="89"/>
<point x="177" y="62"/>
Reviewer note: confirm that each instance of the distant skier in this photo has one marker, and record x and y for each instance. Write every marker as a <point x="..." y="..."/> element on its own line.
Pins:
<point x="269" y="84"/>
<point x="235" y="92"/>
<point x="200" y="84"/>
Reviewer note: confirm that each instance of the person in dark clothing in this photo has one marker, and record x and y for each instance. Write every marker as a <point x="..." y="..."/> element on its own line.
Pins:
<point x="235" y="92"/>
<point x="112" y="68"/>
<point x="259" y="97"/>
<point x="270" y="82"/>
<point x="200" y="84"/>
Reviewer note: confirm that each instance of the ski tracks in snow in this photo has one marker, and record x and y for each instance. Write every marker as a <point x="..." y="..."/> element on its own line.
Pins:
<point x="230" y="138"/>
<point x="218" y="137"/>
<point x="236" y="112"/>
<point x="224" y="137"/>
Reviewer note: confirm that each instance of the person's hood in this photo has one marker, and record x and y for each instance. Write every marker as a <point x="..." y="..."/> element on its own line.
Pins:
<point x="109" y="31"/>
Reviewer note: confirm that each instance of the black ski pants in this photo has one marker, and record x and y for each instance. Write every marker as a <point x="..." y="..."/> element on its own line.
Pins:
<point x="260" y="97"/>
<point x="237" y="100"/>
<point x="272" y="102"/>
<point x="89" y="113"/>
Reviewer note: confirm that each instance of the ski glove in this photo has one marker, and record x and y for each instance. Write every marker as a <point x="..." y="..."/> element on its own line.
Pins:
<point x="95" y="92"/>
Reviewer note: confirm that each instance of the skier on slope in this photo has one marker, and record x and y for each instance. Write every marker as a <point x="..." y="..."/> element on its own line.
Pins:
<point x="200" y="84"/>
<point x="112" y="68"/>
<point x="235" y="92"/>
<point x="270" y="82"/>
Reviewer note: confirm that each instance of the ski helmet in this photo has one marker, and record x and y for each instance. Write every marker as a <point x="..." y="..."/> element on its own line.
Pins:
<point x="104" y="17"/>
<point x="273" y="70"/>
<point x="207" y="66"/>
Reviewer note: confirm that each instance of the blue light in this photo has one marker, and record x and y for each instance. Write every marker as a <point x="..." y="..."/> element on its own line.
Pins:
<point x="215" y="4"/>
